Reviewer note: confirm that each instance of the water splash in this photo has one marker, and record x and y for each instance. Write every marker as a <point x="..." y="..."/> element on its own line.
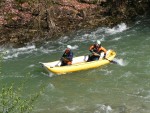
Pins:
<point x="117" y="29"/>
<point x="102" y="32"/>
<point x="120" y="62"/>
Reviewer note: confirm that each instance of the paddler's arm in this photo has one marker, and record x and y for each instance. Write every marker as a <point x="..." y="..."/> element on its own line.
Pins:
<point x="103" y="54"/>
<point x="105" y="51"/>
<point x="91" y="49"/>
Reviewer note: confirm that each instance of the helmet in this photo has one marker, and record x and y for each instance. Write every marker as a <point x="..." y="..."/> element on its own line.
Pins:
<point x="69" y="46"/>
<point x="98" y="42"/>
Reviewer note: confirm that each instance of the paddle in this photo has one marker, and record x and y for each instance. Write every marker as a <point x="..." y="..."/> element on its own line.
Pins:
<point x="58" y="63"/>
<point x="62" y="58"/>
<point x="112" y="61"/>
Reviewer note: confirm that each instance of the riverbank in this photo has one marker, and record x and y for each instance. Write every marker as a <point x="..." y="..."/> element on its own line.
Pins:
<point x="24" y="21"/>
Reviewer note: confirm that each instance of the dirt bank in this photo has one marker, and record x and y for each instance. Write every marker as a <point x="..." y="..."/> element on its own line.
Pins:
<point x="23" y="21"/>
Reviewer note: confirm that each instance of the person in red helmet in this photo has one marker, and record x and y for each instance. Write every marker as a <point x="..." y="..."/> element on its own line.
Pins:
<point x="98" y="52"/>
<point x="67" y="56"/>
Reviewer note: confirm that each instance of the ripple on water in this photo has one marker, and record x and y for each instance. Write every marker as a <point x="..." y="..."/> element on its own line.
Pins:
<point x="72" y="108"/>
<point x="48" y="74"/>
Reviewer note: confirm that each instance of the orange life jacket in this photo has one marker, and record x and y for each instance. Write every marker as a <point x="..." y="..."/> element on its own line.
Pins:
<point x="97" y="49"/>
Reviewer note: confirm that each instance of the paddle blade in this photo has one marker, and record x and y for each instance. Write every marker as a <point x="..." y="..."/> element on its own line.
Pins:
<point x="112" y="61"/>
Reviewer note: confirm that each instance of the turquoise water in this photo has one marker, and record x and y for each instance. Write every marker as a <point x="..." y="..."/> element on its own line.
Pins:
<point x="123" y="88"/>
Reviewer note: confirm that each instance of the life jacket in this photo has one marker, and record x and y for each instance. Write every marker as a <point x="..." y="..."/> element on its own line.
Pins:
<point x="98" y="49"/>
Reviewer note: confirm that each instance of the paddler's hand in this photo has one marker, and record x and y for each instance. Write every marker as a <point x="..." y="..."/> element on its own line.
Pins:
<point x="61" y="59"/>
<point x="64" y="59"/>
<point x="104" y="55"/>
<point x="91" y="51"/>
<point x="95" y="54"/>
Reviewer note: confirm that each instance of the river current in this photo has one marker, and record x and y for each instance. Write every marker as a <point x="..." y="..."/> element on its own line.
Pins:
<point x="113" y="88"/>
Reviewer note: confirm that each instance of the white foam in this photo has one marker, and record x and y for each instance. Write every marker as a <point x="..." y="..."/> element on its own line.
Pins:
<point x="25" y="48"/>
<point x="103" y="108"/>
<point x="32" y="65"/>
<point x="102" y="32"/>
<point x="11" y="53"/>
<point x="43" y="50"/>
<point x="119" y="28"/>
<point x="15" y="55"/>
<point x="117" y="38"/>
<point x="85" y="35"/>
<point x="15" y="52"/>
<point x="51" y="74"/>
<point x="61" y="40"/>
<point x="75" y="47"/>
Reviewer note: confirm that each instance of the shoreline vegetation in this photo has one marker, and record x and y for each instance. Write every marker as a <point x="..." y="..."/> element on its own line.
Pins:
<point x="23" y="21"/>
<point x="12" y="99"/>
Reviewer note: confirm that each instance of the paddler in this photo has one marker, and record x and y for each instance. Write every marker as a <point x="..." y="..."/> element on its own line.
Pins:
<point x="67" y="56"/>
<point x="98" y="52"/>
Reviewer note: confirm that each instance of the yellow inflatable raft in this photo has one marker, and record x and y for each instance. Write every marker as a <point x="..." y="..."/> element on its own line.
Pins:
<point x="78" y="64"/>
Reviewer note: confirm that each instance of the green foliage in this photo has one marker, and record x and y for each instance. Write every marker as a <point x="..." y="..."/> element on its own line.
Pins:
<point x="11" y="100"/>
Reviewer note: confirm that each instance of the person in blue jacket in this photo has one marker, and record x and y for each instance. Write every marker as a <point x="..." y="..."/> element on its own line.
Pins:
<point x="67" y="56"/>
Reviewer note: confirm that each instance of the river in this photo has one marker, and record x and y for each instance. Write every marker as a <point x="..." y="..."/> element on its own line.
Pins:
<point x="113" y="88"/>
